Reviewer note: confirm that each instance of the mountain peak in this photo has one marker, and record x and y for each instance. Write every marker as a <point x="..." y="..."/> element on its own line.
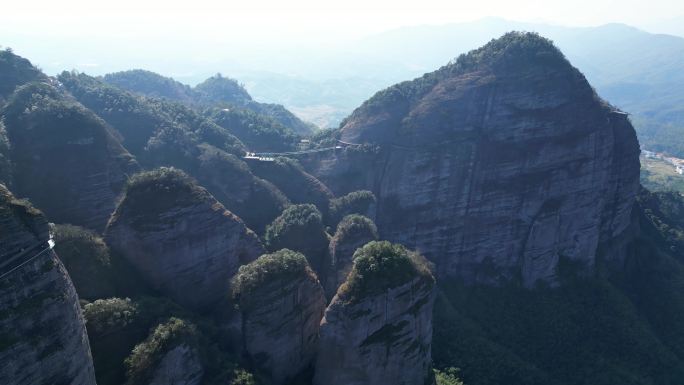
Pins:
<point x="15" y="71"/>
<point x="517" y="63"/>
<point x="512" y="49"/>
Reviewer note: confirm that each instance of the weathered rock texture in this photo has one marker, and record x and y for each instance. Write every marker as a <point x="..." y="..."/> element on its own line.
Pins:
<point x="5" y="163"/>
<point x="353" y="232"/>
<point x="496" y="166"/>
<point x="281" y="302"/>
<point x="169" y="355"/>
<point x="64" y="158"/>
<point x="183" y="241"/>
<point x="299" y="186"/>
<point x="230" y="180"/>
<point x="168" y="134"/>
<point x="381" y="332"/>
<point x="42" y="334"/>
<point x="180" y="366"/>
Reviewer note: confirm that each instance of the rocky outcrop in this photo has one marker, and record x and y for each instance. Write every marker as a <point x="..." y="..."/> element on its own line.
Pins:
<point x="169" y="355"/>
<point x="496" y="166"/>
<point x="42" y="334"/>
<point x="168" y="134"/>
<point x="230" y="180"/>
<point x="357" y="202"/>
<point x="14" y="72"/>
<point x="64" y="158"/>
<point x="378" y="328"/>
<point x="297" y="184"/>
<point x="93" y="270"/>
<point x="281" y="304"/>
<point x="352" y="232"/>
<point x="5" y="163"/>
<point x="180" y="366"/>
<point x="179" y="238"/>
<point x="86" y="258"/>
<point x="300" y="228"/>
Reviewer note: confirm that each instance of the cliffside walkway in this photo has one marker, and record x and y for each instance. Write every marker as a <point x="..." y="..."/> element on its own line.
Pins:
<point x="11" y="264"/>
<point x="270" y="156"/>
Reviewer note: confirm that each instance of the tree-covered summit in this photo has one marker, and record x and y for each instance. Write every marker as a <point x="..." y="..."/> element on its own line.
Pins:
<point x="15" y="71"/>
<point x="381" y="265"/>
<point x="150" y="84"/>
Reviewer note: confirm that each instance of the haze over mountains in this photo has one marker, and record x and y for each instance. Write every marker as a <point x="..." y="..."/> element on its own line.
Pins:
<point x="637" y="71"/>
<point x="493" y="202"/>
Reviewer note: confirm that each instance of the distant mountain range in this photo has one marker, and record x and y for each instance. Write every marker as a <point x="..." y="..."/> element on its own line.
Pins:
<point x="640" y="72"/>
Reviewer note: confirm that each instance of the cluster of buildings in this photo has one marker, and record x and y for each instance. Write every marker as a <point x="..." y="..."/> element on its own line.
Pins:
<point x="677" y="163"/>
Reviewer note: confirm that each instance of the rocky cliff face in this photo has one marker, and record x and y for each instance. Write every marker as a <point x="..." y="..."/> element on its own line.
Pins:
<point x="64" y="158"/>
<point x="281" y="304"/>
<point x="298" y="185"/>
<point x="378" y="328"/>
<point x="352" y="232"/>
<point x="180" y="366"/>
<point x="42" y="334"/>
<point x="230" y="180"/>
<point x="496" y="166"/>
<point x="183" y="241"/>
<point x="169" y="355"/>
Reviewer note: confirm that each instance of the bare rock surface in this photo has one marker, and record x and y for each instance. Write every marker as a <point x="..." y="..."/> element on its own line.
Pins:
<point x="378" y="328"/>
<point x="496" y="166"/>
<point x="180" y="366"/>
<point x="65" y="159"/>
<point x="352" y="232"/>
<point x="281" y="303"/>
<point x="43" y="338"/>
<point x="180" y="239"/>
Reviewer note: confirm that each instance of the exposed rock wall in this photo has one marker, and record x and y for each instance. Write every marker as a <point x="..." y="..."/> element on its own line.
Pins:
<point x="299" y="186"/>
<point x="281" y="304"/>
<point x="65" y="159"/>
<point x="180" y="366"/>
<point x="496" y="166"/>
<point x="230" y="180"/>
<point x="183" y="241"/>
<point x="379" y="337"/>
<point x="353" y="232"/>
<point x="42" y="334"/>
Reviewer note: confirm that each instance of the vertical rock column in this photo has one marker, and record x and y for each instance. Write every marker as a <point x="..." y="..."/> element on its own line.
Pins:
<point x="281" y="303"/>
<point x="378" y="328"/>
<point x="180" y="238"/>
<point x="42" y="334"/>
<point x="352" y="232"/>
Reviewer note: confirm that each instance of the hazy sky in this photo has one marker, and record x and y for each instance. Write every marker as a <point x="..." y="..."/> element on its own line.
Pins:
<point x="314" y="20"/>
<point x="192" y="38"/>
